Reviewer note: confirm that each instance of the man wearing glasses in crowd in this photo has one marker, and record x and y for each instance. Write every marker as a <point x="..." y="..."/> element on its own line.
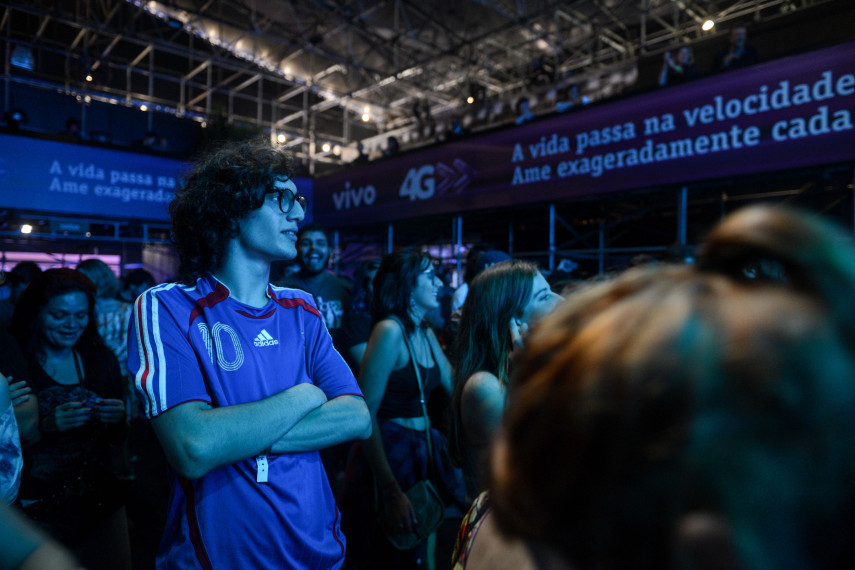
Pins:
<point x="240" y="379"/>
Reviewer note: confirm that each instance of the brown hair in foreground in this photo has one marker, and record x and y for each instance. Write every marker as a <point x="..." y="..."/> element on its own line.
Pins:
<point x="722" y="392"/>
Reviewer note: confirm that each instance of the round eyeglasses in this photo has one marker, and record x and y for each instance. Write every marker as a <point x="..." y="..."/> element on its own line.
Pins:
<point x="287" y="199"/>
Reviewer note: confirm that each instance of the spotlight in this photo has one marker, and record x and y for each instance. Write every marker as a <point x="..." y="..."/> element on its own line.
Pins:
<point x="326" y="147"/>
<point x="470" y="99"/>
<point x="204" y="124"/>
<point x="89" y="77"/>
<point x="26" y="229"/>
<point x="336" y="150"/>
<point x="280" y="138"/>
<point x="143" y="107"/>
<point x="365" y="117"/>
<point x="708" y="25"/>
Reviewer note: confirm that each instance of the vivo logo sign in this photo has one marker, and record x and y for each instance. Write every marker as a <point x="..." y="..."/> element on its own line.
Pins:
<point x="353" y="198"/>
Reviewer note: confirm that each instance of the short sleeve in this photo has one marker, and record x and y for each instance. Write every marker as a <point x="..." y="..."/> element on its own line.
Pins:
<point x="161" y="360"/>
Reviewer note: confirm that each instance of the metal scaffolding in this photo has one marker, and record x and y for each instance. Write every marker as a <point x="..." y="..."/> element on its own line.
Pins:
<point x="324" y="75"/>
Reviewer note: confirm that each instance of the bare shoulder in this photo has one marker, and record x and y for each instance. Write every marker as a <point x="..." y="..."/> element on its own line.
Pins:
<point x="482" y="385"/>
<point x="482" y="406"/>
<point x="388" y="330"/>
<point x="386" y="345"/>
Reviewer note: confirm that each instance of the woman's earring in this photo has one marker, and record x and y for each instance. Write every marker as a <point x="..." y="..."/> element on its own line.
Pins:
<point x="412" y="303"/>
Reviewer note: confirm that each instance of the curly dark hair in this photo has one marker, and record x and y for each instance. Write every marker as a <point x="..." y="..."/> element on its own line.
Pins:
<point x="225" y="186"/>
<point x="26" y="324"/>
<point x="394" y="284"/>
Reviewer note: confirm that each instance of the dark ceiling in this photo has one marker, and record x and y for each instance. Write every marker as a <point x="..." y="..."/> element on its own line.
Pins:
<point x="338" y="71"/>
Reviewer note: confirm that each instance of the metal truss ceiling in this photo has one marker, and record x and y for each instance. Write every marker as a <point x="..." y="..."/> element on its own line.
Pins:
<point x="311" y="69"/>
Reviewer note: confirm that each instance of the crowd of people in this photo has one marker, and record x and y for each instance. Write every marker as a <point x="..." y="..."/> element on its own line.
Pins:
<point x="674" y="415"/>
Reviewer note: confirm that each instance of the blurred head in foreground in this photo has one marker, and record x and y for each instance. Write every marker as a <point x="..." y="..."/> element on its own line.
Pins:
<point x="695" y="416"/>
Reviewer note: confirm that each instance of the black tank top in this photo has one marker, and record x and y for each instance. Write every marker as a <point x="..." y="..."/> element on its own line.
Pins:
<point x="401" y="398"/>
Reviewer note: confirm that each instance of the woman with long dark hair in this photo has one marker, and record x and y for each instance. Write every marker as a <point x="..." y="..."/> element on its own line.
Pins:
<point x="405" y="289"/>
<point x="67" y="485"/>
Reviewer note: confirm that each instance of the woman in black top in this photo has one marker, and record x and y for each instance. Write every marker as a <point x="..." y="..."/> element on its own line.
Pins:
<point x="67" y="485"/>
<point x="405" y="289"/>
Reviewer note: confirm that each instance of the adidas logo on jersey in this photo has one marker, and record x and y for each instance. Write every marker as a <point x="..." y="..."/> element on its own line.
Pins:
<point x="264" y="339"/>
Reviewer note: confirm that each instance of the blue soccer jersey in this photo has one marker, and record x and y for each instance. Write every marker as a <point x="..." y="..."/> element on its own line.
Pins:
<point x="198" y="344"/>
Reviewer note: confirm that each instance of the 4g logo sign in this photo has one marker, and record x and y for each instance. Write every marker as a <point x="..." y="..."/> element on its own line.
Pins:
<point x="420" y="183"/>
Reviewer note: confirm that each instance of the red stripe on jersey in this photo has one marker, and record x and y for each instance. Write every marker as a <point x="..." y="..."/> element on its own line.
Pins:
<point x="335" y="523"/>
<point x="264" y="316"/>
<point x="193" y="523"/>
<point x="298" y="303"/>
<point x="221" y="293"/>
<point x="144" y="343"/>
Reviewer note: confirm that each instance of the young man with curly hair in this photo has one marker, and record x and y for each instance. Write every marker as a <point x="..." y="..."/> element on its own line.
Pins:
<point x="240" y="378"/>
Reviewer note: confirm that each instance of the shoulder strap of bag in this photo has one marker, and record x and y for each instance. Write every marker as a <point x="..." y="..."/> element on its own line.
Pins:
<point x="421" y="386"/>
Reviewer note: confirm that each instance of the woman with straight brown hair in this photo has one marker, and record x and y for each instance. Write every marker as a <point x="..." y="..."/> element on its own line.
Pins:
<point x="502" y="302"/>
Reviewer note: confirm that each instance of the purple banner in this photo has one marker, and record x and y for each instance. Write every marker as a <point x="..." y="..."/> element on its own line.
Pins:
<point x="66" y="178"/>
<point x="790" y="113"/>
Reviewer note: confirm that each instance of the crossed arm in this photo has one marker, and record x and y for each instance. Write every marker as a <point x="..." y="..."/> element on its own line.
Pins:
<point x="341" y="419"/>
<point x="197" y="438"/>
